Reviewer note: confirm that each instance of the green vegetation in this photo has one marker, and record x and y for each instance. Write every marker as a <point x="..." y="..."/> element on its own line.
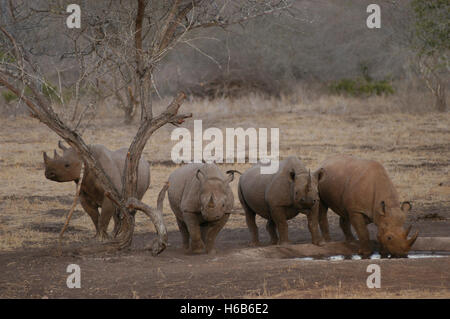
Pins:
<point x="47" y="90"/>
<point x="9" y="96"/>
<point x="363" y="86"/>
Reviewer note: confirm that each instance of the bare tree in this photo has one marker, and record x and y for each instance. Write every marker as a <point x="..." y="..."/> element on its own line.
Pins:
<point x="432" y="46"/>
<point x="131" y="38"/>
<point x="157" y="27"/>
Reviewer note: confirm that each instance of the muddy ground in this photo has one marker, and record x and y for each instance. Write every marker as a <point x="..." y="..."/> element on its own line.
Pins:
<point x="414" y="148"/>
<point x="234" y="272"/>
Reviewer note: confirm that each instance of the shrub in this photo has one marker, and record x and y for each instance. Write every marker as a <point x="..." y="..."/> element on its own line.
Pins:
<point x="9" y="96"/>
<point x="361" y="87"/>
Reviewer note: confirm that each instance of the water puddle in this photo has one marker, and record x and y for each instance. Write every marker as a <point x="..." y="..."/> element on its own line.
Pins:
<point x="411" y="255"/>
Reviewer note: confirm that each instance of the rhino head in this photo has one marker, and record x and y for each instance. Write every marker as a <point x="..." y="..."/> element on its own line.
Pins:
<point x="63" y="168"/>
<point x="391" y="233"/>
<point x="214" y="200"/>
<point x="304" y="188"/>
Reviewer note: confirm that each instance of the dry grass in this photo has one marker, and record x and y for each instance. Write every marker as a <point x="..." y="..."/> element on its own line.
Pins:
<point x="332" y="292"/>
<point x="415" y="149"/>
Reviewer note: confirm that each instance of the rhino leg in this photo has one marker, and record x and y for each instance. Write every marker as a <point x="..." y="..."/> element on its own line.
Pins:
<point x="313" y="225"/>
<point x="211" y="232"/>
<point x="250" y="219"/>
<point x="323" y="221"/>
<point x="250" y="216"/>
<point x="384" y="253"/>
<point x="108" y="210"/>
<point x="278" y="215"/>
<point x="270" y="227"/>
<point x="91" y="209"/>
<point x="344" y="222"/>
<point x="184" y="233"/>
<point x="193" y="225"/>
<point x="359" y="223"/>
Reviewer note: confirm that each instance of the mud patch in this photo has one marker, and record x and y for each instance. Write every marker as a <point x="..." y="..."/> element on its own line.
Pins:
<point x="376" y="255"/>
<point x="423" y="245"/>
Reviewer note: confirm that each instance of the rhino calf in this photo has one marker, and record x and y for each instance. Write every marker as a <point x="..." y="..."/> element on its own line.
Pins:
<point x="279" y="197"/>
<point x="201" y="199"/>
<point x="67" y="168"/>
<point x="361" y="192"/>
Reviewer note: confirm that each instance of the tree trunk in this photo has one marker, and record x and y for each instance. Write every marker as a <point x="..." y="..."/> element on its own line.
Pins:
<point x="441" y="98"/>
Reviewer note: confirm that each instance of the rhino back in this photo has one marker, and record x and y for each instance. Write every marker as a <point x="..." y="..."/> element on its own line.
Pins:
<point x="143" y="181"/>
<point x="106" y="159"/>
<point x="351" y="184"/>
<point x="278" y="192"/>
<point x="180" y="180"/>
<point x="184" y="187"/>
<point x="90" y="184"/>
<point x="252" y="187"/>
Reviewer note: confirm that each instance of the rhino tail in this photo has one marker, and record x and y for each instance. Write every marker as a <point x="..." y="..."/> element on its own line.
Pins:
<point x="231" y="173"/>
<point x="161" y="195"/>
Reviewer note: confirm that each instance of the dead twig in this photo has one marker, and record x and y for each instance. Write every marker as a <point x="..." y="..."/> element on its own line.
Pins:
<point x="72" y="208"/>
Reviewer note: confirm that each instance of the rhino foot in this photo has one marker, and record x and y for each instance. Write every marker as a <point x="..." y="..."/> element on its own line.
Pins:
<point x="254" y="244"/>
<point x="196" y="251"/>
<point x="284" y="243"/>
<point x="320" y="242"/>
<point x="365" y="254"/>
<point x="327" y="239"/>
<point x="102" y="236"/>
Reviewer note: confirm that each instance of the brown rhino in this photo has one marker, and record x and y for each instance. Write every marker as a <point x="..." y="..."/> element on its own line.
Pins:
<point x="360" y="192"/>
<point x="201" y="199"/>
<point x="279" y="197"/>
<point x="67" y="168"/>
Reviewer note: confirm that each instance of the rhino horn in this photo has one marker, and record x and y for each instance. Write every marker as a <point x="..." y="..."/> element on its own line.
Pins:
<point x="55" y="155"/>
<point x="308" y="185"/>
<point x="61" y="146"/>
<point x="46" y="158"/>
<point x="407" y="231"/>
<point x="412" y="240"/>
<point x="211" y="201"/>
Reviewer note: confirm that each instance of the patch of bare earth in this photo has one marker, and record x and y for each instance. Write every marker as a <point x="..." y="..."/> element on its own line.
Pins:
<point x="414" y="148"/>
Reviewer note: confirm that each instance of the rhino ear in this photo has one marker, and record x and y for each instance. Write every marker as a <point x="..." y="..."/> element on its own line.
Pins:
<point x="318" y="175"/>
<point x="55" y="155"/>
<point x="292" y="175"/>
<point x="61" y="146"/>
<point x="383" y="208"/>
<point x="406" y="207"/>
<point x="46" y="158"/>
<point x="200" y="176"/>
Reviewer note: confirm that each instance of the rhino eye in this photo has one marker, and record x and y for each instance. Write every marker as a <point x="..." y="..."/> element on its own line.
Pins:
<point x="67" y="165"/>
<point x="389" y="238"/>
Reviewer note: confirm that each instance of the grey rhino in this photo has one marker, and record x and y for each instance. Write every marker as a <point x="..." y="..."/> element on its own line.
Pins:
<point x="201" y="199"/>
<point x="67" y="168"/>
<point x="361" y="192"/>
<point x="279" y="197"/>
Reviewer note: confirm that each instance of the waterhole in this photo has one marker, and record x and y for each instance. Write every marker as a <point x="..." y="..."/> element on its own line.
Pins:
<point x="411" y="255"/>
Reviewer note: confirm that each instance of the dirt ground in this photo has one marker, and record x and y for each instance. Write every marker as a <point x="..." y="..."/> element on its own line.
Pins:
<point x="414" y="148"/>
